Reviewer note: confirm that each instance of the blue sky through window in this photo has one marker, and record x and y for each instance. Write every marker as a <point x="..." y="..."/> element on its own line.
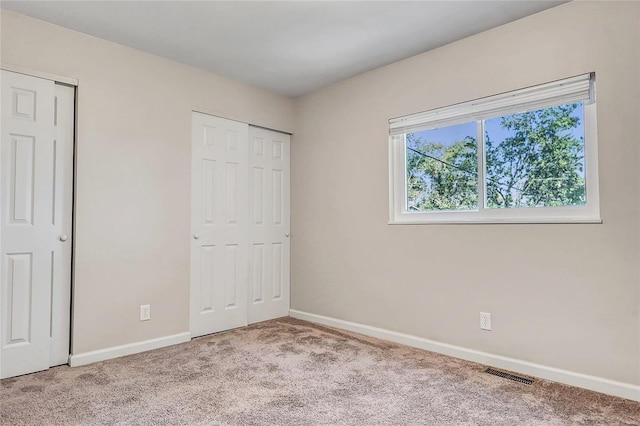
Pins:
<point x="448" y="136"/>
<point x="452" y="134"/>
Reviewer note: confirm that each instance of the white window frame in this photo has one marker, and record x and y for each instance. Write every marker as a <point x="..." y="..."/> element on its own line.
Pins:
<point x="535" y="97"/>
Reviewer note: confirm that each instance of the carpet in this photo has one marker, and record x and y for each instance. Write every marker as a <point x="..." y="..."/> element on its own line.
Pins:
<point x="292" y="372"/>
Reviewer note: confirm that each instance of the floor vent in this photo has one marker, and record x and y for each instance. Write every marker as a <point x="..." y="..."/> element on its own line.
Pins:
<point x="509" y="376"/>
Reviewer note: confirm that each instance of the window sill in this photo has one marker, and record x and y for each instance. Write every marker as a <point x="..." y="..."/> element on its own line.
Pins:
<point x="496" y="221"/>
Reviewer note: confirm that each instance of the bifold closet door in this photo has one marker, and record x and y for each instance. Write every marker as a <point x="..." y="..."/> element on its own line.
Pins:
<point x="36" y="191"/>
<point x="269" y="251"/>
<point x="219" y="222"/>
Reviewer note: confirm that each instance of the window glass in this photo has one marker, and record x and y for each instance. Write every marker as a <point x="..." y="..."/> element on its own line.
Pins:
<point x="536" y="158"/>
<point x="442" y="169"/>
<point x="525" y="156"/>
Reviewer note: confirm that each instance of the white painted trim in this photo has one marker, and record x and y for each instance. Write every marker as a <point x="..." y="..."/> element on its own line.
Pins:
<point x="588" y="213"/>
<point x="598" y="384"/>
<point x="76" y="360"/>
<point x="226" y="116"/>
<point x="47" y="76"/>
<point x="574" y="89"/>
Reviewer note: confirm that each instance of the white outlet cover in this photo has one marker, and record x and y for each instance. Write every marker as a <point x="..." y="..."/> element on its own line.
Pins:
<point x="485" y="321"/>
<point x="145" y="312"/>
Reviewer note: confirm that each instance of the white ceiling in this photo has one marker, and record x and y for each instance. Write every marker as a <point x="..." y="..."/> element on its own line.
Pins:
<point x="289" y="47"/>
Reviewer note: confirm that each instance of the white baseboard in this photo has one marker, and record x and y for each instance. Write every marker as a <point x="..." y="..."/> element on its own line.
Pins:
<point x="598" y="384"/>
<point x="85" y="358"/>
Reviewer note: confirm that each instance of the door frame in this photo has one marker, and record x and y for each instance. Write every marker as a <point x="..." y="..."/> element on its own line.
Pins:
<point x="217" y="114"/>
<point x="73" y="82"/>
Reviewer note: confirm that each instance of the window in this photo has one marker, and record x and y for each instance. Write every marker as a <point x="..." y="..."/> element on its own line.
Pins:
<point x="525" y="156"/>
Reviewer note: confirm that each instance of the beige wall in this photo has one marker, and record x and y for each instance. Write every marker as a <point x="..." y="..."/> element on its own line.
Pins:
<point x="133" y="173"/>
<point x="564" y="296"/>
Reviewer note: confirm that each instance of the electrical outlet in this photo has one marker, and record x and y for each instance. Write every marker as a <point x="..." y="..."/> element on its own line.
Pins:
<point x="145" y="312"/>
<point x="485" y="321"/>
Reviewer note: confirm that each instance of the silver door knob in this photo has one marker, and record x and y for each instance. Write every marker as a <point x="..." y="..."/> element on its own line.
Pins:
<point x="62" y="238"/>
<point x="286" y="235"/>
<point x="196" y="236"/>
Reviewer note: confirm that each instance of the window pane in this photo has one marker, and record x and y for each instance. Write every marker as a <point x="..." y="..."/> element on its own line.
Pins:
<point x="442" y="169"/>
<point x="536" y="158"/>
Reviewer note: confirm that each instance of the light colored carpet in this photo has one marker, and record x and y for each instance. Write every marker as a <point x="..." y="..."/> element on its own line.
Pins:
<point x="291" y="372"/>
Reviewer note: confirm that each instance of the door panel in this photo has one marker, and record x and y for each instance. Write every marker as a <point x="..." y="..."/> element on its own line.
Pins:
<point x="28" y="237"/>
<point x="61" y="220"/>
<point x="269" y="225"/>
<point x="20" y="285"/>
<point x="22" y="158"/>
<point x="219" y="244"/>
<point x="36" y="171"/>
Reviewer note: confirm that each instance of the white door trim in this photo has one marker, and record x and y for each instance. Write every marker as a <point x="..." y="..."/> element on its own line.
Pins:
<point x="216" y="113"/>
<point x="40" y="74"/>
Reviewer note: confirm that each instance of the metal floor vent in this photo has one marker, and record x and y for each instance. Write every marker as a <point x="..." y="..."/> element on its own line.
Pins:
<point x="509" y="376"/>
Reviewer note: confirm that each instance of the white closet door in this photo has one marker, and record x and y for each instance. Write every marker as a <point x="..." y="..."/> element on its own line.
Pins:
<point x="219" y="222"/>
<point x="269" y="257"/>
<point x="62" y="223"/>
<point x="33" y="242"/>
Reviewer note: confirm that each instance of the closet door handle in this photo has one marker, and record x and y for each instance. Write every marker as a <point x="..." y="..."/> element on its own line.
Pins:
<point x="196" y="236"/>
<point x="62" y="238"/>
